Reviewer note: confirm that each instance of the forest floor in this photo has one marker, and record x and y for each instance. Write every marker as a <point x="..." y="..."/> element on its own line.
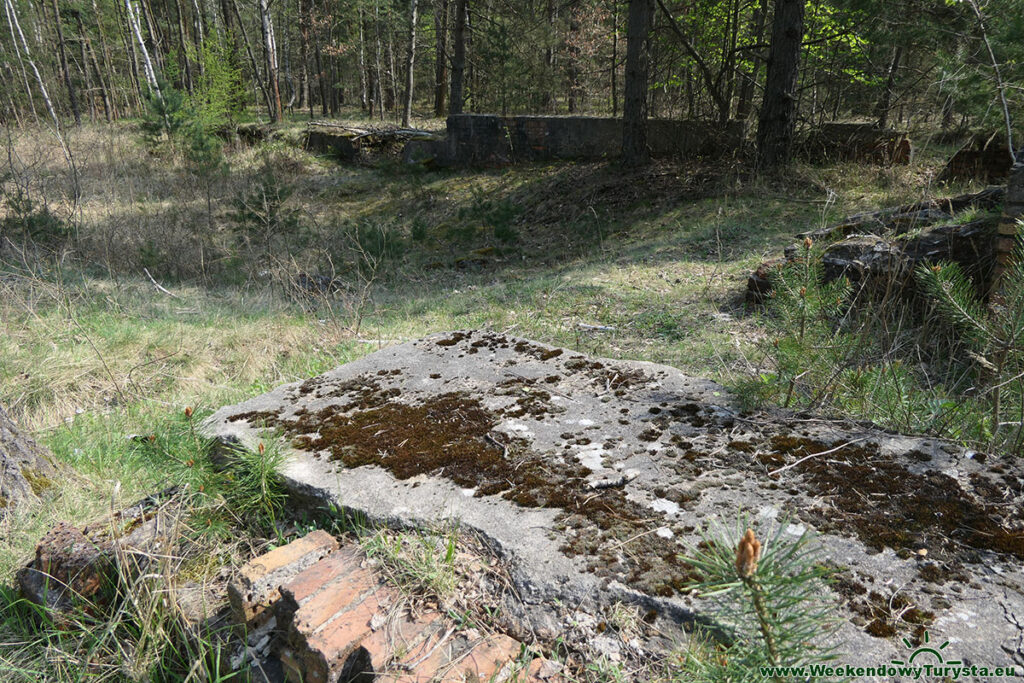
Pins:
<point x="649" y="265"/>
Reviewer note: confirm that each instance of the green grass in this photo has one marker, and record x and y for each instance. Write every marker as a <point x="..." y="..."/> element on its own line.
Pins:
<point x="94" y="359"/>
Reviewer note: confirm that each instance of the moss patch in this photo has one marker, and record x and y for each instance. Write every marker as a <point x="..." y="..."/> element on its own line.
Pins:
<point x="879" y="616"/>
<point x="886" y="505"/>
<point x="37" y="481"/>
<point x="450" y="436"/>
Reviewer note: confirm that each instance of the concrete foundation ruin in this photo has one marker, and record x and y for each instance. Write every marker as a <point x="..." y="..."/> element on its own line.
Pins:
<point x="492" y="140"/>
<point x="860" y="142"/>
<point x="984" y="157"/>
<point x="594" y="478"/>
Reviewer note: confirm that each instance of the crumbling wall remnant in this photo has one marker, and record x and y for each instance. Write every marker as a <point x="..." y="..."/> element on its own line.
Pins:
<point x="491" y="140"/>
<point x="985" y="158"/>
<point x="861" y="142"/>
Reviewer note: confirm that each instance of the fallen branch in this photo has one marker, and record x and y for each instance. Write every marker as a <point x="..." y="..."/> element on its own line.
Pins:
<point x="815" y="455"/>
<point x="158" y="285"/>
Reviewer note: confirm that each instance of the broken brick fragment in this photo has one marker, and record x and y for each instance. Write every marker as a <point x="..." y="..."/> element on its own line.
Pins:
<point x="256" y="587"/>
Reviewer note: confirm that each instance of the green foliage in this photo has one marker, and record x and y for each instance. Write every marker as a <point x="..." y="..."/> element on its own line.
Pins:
<point x="204" y="153"/>
<point x="957" y="374"/>
<point x="378" y="242"/>
<point x="219" y="95"/>
<point x="772" y="616"/>
<point x="172" y="117"/>
<point x="804" y="344"/>
<point x="421" y="563"/>
<point x="138" y="631"/>
<point x="253" y="487"/>
<point x="216" y="100"/>
<point x="484" y="213"/>
<point x="262" y="217"/>
<point x="993" y="335"/>
<point x="418" y="231"/>
<point x="167" y="113"/>
<point x="28" y="222"/>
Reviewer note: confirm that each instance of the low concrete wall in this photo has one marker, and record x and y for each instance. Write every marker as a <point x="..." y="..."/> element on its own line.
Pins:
<point x="985" y="158"/>
<point x="332" y="142"/>
<point x="856" y="142"/>
<point x="483" y="139"/>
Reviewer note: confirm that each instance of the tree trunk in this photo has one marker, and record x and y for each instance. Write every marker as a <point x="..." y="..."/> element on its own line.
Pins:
<point x="22" y="44"/>
<point x="126" y="33"/>
<point x="286" y="55"/>
<point x="365" y="101"/>
<point x="321" y="75"/>
<point x="440" y="55"/>
<point x="85" y="65"/>
<point x="392" y="81"/>
<point x="634" y="106"/>
<point x="305" y="96"/>
<point x="549" y="59"/>
<point x="26" y="468"/>
<point x="183" y="46"/>
<point x="270" y="47"/>
<point x="153" y="29"/>
<point x="378" y="71"/>
<point x="885" y="101"/>
<point x="572" y="51"/>
<point x="777" y="122"/>
<point x="260" y="85"/>
<point x="410" y="64"/>
<point x="746" y="98"/>
<point x="615" y="59"/>
<point x="21" y="63"/>
<point x="147" y="63"/>
<point x="88" y="51"/>
<point x="457" y="98"/>
<point x="65" y="71"/>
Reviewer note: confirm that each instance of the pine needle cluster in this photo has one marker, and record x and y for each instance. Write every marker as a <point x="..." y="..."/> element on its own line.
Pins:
<point x="993" y="334"/>
<point x="767" y="604"/>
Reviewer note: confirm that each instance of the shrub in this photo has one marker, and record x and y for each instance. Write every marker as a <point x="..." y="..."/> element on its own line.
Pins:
<point x="29" y="223"/>
<point x="804" y="346"/>
<point x="167" y="114"/>
<point x="262" y="218"/>
<point x="940" y="362"/>
<point x="993" y="335"/>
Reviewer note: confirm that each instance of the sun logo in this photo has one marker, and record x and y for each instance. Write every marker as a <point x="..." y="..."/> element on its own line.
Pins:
<point x="923" y="649"/>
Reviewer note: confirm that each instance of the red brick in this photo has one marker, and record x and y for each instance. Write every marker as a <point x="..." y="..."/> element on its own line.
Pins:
<point x="256" y="586"/>
<point x="322" y="656"/>
<point x="298" y="590"/>
<point x="427" y="669"/>
<point x="542" y="669"/>
<point x="346" y="632"/>
<point x="1008" y="228"/>
<point x="485" y="659"/>
<point x="339" y="596"/>
<point x="393" y="640"/>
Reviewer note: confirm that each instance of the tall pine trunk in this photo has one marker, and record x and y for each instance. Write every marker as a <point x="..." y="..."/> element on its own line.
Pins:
<point x="634" y="106"/>
<point x="440" y="55"/>
<point x="745" y="103"/>
<point x="457" y="98"/>
<point x="304" y="90"/>
<point x="410" y="65"/>
<point x="65" y="71"/>
<point x="885" y="101"/>
<point x="777" y="122"/>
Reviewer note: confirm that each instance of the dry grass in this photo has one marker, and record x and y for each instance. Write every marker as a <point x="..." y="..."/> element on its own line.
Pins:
<point x="91" y="352"/>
